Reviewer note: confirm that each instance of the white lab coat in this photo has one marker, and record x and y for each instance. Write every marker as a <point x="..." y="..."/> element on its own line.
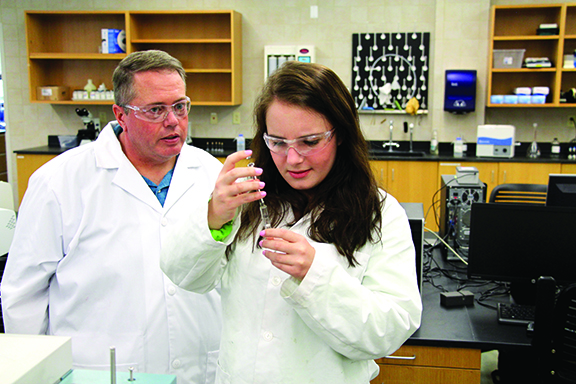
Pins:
<point x="85" y="263"/>
<point x="326" y="329"/>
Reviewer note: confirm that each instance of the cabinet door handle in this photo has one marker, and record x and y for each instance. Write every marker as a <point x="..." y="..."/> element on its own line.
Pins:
<point x="413" y="357"/>
<point x="504" y="178"/>
<point x="493" y="176"/>
<point x="382" y="176"/>
<point x="393" y="174"/>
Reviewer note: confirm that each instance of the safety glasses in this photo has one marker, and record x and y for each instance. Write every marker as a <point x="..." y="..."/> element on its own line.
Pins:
<point x="157" y="113"/>
<point x="305" y="146"/>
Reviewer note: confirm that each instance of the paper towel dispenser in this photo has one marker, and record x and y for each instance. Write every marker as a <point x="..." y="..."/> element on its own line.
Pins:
<point x="460" y="91"/>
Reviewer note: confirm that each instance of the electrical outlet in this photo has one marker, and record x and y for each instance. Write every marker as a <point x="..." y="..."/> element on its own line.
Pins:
<point x="571" y="121"/>
<point x="236" y="117"/>
<point x="213" y="118"/>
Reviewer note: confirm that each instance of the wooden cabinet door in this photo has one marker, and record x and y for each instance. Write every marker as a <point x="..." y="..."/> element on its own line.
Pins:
<point x="528" y="173"/>
<point x="399" y="374"/>
<point x="380" y="171"/>
<point x="430" y="365"/>
<point x="26" y="165"/>
<point x="414" y="182"/>
<point x="568" y="168"/>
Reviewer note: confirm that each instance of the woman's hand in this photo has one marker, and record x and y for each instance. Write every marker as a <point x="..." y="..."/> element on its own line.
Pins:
<point x="288" y="251"/>
<point x="229" y="193"/>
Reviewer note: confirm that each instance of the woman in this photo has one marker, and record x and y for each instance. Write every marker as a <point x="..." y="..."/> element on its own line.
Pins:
<point x="332" y="285"/>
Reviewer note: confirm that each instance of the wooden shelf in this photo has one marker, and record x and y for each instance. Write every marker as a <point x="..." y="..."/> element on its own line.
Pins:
<point x="515" y="27"/>
<point x="63" y="49"/>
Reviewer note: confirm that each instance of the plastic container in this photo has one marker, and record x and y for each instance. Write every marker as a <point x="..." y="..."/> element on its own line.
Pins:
<point x="89" y="87"/>
<point x="458" y="147"/>
<point x="434" y="143"/>
<point x="508" y="58"/>
<point x="240" y="143"/>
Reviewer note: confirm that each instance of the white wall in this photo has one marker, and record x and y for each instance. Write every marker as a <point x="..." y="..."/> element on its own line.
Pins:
<point x="459" y="40"/>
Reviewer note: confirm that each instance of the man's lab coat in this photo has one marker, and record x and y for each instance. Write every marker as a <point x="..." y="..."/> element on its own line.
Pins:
<point x="84" y="263"/>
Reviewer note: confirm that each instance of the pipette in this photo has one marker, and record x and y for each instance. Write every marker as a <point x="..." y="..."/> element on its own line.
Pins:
<point x="263" y="207"/>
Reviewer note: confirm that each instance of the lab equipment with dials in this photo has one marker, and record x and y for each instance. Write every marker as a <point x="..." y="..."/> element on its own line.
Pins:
<point x="276" y="55"/>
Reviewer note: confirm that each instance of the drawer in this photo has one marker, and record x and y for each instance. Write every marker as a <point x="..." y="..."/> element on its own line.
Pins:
<point x="398" y="374"/>
<point x="414" y="355"/>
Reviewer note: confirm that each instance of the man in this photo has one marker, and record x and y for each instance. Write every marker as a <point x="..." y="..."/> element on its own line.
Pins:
<point x="84" y="261"/>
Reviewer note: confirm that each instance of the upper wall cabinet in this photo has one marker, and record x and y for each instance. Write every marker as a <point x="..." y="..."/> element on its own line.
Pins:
<point x="514" y="27"/>
<point x="63" y="50"/>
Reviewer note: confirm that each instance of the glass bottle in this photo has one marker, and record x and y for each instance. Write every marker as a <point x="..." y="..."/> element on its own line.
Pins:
<point x="555" y="148"/>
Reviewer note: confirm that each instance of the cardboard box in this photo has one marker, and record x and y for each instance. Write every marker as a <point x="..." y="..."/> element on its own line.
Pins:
<point x="52" y="93"/>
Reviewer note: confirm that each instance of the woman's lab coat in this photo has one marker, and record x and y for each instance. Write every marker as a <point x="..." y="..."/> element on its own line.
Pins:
<point x="85" y="263"/>
<point x="328" y="328"/>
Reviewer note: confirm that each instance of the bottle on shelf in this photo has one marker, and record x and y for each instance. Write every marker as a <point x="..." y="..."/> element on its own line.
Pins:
<point x="89" y="87"/>
<point x="555" y="148"/>
<point x="434" y="143"/>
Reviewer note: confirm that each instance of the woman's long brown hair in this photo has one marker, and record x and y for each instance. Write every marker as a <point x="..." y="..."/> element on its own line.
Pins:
<point x="345" y="208"/>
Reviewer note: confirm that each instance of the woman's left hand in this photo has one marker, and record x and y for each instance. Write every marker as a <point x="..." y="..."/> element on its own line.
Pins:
<point x="288" y="251"/>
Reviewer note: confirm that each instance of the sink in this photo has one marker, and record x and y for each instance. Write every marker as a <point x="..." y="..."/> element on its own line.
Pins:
<point x="396" y="153"/>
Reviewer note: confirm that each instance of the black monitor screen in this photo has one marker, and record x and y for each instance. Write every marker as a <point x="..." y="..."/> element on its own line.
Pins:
<point x="515" y="242"/>
<point x="561" y="191"/>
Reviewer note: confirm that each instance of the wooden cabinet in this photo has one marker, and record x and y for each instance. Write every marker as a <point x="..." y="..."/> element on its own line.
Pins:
<point x="26" y="165"/>
<point x="409" y="181"/>
<point x="431" y="365"/>
<point x="530" y="173"/>
<point x="380" y="171"/>
<point x="63" y="50"/>
<point x="568" y="168"/>
<point x="514" y="27"/>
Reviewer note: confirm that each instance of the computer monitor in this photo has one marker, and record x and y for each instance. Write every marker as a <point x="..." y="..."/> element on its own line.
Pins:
<point x="561" y="190"/>
<point x="520" y="243"/>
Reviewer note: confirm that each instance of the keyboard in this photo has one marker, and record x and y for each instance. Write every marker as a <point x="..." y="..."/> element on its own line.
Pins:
<point x="515" y="313"/>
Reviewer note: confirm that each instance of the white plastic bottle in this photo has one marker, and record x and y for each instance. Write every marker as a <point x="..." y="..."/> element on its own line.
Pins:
<point x="458" y="147"/>
<point x="240" y="143"/>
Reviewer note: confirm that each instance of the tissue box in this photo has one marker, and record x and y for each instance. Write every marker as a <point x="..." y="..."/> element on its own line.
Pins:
<point x="510" y="99"/>
<point x="52" y="93"/>
<point x="497" y="99"/>
<point x="524" y="99"/>
<point x="540" y="90"/>
<point x="523" y="91"/>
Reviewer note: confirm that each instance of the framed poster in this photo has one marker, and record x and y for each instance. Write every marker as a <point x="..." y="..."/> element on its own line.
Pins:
<point x="388" y="69"/>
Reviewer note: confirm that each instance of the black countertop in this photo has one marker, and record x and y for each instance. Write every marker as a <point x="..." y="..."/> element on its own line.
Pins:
<point x="474" y="326"/>
<point x="225" y="147"/>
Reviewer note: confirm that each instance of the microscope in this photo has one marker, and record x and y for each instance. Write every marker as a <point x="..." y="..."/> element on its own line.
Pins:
<point x="91" y="126"/>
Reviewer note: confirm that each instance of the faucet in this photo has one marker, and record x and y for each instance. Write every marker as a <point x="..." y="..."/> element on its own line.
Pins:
<point x="390" y="143"/>
<point x="411" y="132"/>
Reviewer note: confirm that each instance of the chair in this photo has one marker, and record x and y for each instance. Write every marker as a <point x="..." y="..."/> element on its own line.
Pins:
<point x="519" y="194"/>
<point x="554" y="338"/>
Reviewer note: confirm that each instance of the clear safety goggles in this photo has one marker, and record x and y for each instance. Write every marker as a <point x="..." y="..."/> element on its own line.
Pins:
<point x="157" y="113"/>
<point x="305" y="146"/>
